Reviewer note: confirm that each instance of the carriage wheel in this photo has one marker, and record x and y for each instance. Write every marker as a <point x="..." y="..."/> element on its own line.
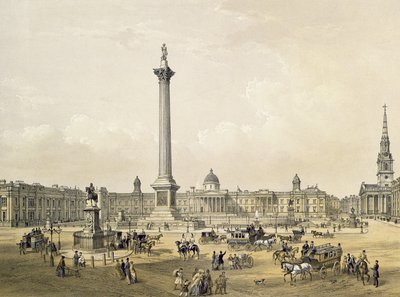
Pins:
<point x="231" y="247"/>
<point x="250" y="261"/>
<point x="336" y="268"/>
<point x="248" y="247"/>
<point x="237" y="247"/>
<point x="323" y="272"/>
<point x="217" y="241"/>
<point x="202" y="241"/>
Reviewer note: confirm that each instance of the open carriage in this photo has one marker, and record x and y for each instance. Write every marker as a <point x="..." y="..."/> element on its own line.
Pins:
<point x="324" y="257"/>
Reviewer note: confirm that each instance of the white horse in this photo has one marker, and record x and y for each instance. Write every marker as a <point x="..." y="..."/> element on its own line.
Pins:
<point x="268" y="243"/>
<point x="296" y="269"/>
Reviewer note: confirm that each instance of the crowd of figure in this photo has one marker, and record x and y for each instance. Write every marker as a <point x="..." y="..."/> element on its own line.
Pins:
<point x="351" y="264"/>
<point x="126" y="271"/>
<point x="78" y="260"/>
<point x="201" y="283"/>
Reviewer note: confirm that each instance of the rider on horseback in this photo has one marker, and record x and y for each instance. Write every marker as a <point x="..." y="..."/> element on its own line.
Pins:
<point x="285" y="248"/>
<point x="363" y="257"/>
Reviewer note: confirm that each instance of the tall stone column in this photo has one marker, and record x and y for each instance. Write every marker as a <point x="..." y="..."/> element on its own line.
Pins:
<point x="165" y="185"/>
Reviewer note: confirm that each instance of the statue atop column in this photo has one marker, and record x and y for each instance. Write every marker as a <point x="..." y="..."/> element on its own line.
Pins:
<point x="164" y="52"/>
<point x="92" y="195"/>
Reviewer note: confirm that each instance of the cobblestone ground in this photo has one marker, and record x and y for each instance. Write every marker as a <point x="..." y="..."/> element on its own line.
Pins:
<point x="28" y="275"/>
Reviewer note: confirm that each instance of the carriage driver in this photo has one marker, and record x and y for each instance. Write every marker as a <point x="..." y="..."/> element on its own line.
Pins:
<point x="305" y="248"/>
<point x="213" y="234"/>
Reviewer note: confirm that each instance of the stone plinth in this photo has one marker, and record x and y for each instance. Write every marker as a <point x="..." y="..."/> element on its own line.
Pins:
<point x="291" y="219"/>
<point x="92" y="238"/>
<point x="353" y="221"/>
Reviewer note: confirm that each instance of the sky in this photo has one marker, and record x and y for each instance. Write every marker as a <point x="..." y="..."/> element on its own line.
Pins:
<point x="263" y="90"/>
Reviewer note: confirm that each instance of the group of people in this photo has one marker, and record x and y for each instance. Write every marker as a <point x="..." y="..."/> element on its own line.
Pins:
<point x="78" y="260"/>
<point x="308" y="249"/>
<point x="201" y="283"/>
<point x="189" y="242"/>
<point x="126" y="270"/>
<point x="351" y="264"/>
<point x="217" y="262"/>
<point x="234" y="262"/>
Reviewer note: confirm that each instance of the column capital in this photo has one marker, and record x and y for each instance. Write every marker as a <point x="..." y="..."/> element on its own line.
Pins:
<point x="164" y="73"/>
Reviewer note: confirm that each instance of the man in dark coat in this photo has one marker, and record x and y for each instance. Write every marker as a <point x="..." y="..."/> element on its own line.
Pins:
<point x="123" y="268"/>
<point x="376" y="274"/>
<point x="221" y="259"/>
<point x="305" y="248"/>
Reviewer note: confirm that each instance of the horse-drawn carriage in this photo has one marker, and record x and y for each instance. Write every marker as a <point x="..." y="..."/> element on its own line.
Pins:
<point x="239" y="240"/>
<point x="207" y="237"/>
<point x="33" y="242"/>
<point x="323" y="257"/>
<point x="266" y="242"/>
<point x="246" y="260"/>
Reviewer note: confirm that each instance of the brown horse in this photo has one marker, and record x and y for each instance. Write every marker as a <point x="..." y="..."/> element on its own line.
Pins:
<point x="281" y="255"/>
<point x="146" y="247"/>
<point x="362" y="270"/>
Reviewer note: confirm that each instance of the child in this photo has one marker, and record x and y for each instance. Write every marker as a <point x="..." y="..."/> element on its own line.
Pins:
<point x="185" y="289"/>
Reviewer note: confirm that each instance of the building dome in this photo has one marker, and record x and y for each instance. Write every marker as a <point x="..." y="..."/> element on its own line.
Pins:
<point x="211" y="178"/>
<point x="211" y="182"/>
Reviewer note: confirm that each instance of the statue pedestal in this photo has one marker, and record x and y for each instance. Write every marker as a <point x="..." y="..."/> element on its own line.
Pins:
<point x="92" y="238"/>
<point x="353" y="221"/>
<point x="291" y="220"/>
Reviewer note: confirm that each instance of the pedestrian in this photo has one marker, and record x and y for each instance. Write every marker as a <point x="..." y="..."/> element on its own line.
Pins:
<point x="376" y="274"/>
<point x="75" y="259"/>
<point x="214" y="261"/>
<point x="123" y="268"/>
<point x="236" y="262"/>
<point x="118" y="270"/>
<point x="220" y="284"/>
<point x="209" y="281"/>
<point x="178" y="278"/>
<point x="128" y="271"/>
<point x="230" y="261"/>
<point x="60" y="270"/>
<point x="81" y="260"/>
<point x="185" y="289"/>
<point x="221" y="259"/>
<point x="133" y="274"/>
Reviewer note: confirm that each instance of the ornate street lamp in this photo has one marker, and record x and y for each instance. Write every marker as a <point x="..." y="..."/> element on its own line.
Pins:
<point x="52" y="230"/>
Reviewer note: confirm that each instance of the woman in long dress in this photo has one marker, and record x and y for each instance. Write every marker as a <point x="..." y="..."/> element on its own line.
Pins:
<point x="133" y="274"/>
<point x="179" y="278"/>
<point x="196" y="283"/>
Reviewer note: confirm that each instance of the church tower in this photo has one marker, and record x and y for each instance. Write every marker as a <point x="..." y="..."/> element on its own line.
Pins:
<point x="385" y="160"/>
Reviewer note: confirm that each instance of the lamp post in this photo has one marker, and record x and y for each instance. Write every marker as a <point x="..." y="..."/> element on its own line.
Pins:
<point x="52" y="230"/>
<point x="276" y="221"/>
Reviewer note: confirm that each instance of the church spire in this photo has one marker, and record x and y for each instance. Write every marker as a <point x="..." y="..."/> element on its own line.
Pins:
<point x="385" y="160"/>
<point x="385" y="128"/>
<point x="385" y="143"/>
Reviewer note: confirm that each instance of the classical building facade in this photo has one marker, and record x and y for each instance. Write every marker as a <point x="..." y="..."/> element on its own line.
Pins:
<point x="25" y="204"/>
<point x="395" y="211"/>
<point x="376" y="199"/>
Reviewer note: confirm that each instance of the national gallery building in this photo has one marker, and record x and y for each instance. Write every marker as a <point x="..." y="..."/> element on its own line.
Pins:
<point x="29" y="205"/>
